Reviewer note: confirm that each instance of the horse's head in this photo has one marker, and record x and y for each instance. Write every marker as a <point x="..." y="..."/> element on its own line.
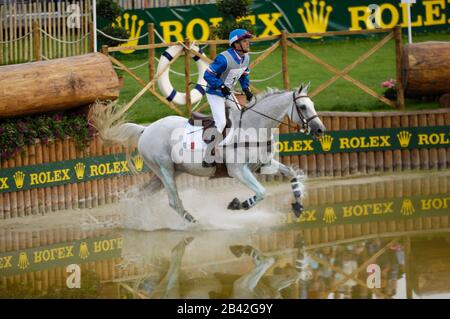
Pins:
<point x="304" y="114"/>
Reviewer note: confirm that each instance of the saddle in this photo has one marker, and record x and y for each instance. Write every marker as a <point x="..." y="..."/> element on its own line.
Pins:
<point x="207" y="122"/>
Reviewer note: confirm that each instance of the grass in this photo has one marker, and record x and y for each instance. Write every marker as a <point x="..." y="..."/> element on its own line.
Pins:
<point x="340" y="96"/>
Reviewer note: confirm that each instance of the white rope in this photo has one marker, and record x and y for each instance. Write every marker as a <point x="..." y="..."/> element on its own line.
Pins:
<point x="132" y="68"/>
<point x="159" y="36"/>
<point x="121" y="40"/>
<point x="62" y="41"/>
<point x="9" y="41"/>
<point x="45" y="58"/>
<point x="196" y="105"/>
<point x="259" y="52"/>
<point x="175" y="72"/>
<point x="268" y="78"/>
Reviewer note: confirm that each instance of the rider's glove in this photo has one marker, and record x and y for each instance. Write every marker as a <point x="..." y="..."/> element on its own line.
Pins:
<point x="248" y="94"/>
<point x="225" y="90"/>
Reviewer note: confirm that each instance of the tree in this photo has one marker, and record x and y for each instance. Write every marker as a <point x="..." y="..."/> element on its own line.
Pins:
<point x="232" y="11"/>
<point x="108" y="10"/>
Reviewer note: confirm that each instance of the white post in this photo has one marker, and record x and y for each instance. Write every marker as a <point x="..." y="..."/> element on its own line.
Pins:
<point x="408" y="4"/>
<point x="94" y="22"/>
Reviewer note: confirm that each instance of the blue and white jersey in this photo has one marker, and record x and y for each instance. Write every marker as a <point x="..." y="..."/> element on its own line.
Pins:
<point x="228" y="68"/>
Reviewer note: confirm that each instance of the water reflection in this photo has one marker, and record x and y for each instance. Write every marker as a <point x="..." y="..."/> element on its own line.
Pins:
<point x="387" y="239"/>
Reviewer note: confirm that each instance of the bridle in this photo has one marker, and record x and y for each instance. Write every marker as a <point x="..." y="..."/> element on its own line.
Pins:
<point x="305" y="121"/>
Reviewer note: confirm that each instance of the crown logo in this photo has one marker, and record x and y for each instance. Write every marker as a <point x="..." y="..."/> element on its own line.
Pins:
<point x="19" y="178"/>
<point x="79" y="170"/>
<point x="329" y="216"/>
<point x="315" y="21"/>
<point x="84" y="251"/>
<point x="23" y="261"/>
<point x="134" y="34"/>
<point x="138" y="162"/>
<point x="326" y="141"/>
<point x="404" y="137"/>
<point x="407" y="207"/>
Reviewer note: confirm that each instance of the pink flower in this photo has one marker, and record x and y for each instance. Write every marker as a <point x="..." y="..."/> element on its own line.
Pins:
<point x="389" y="84"/>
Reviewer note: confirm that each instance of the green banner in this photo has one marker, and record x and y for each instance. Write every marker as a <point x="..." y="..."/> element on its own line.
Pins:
<point x="364" y="140"/>
<point x="66" y="172"/>
<point x="374" y="210"/>
<point x="60" y="255"/>
<point x="270" y="17"/>
<point x="92" y="168"/>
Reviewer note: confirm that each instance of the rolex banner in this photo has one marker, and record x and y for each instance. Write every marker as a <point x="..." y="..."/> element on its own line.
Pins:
<point x="381" y="139"/>
<point x="60" y="255"/>
<point x="270" y="17"/>
<point x="92" y="168"/>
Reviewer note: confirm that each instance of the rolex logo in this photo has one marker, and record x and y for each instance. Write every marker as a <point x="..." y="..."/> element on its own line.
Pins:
<point x="407" y="207"/>
<point x="79" y="170"/>
<point x="19" y="178"/>
<point x="84" y="251"/>
<point x="315" y="19"/>
<point x="134" y="31"/>
<point x="23" y="261"/>
<point x="329" y="216"/>
<point x="326" y="141"/>
<point x="404" y="137"/>
<point x="138" y="162"/>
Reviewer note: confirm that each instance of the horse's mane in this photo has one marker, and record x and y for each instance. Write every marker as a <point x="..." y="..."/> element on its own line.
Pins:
<point x="269" y="92"/>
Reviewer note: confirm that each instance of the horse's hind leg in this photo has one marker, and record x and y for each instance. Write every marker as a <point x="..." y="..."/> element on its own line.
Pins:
<point x="166" y="175"/>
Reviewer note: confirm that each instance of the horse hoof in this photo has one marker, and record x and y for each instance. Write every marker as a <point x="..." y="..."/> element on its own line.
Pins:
<point x="235" y="204"/>
<point x="297" y="208"/>
<point x="189" y="218"/>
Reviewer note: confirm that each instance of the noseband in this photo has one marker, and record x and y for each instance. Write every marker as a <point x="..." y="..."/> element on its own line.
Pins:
<point x="305" y="121"/>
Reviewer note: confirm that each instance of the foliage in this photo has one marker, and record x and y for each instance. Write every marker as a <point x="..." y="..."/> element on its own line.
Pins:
<point x="232" y="11"/>
<point x="16" y="133"/>
<point x="109" y="11"/>
<point x="391" y="91"/>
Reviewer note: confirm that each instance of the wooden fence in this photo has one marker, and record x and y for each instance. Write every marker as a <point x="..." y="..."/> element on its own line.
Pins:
<point x="145" y="4"/>
<point x="97" y="192"/>
<point x="284" y="41"/>
<point x="44" y="30"/>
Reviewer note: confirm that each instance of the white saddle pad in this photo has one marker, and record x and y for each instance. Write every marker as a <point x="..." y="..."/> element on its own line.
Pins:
<point x="192" y="138"/>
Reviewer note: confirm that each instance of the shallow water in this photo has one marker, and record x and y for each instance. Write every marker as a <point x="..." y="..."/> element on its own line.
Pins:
<point x="377" y="237"/>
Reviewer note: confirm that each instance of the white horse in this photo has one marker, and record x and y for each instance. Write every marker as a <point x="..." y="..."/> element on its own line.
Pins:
<point x="156" y="144"/>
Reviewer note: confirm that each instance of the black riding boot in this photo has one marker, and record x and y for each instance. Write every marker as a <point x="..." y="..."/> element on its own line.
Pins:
<point x="211" y="150"/>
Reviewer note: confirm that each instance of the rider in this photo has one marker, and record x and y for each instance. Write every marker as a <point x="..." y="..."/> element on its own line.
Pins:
<point x="224" y="72"/>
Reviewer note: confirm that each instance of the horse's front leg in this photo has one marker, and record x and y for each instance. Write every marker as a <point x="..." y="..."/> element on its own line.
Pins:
<point x="296" y="182"/>
<point x="245" y="175"/>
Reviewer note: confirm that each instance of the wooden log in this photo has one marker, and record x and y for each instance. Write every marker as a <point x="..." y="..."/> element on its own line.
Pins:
<point x="20" y="194"/>
<point x="67" y="189"/>
<point x="328" y="157"/>
<point x="345" y="157"/>
<point x="396" y="154"/>
<point x="424" y="153"/>
<point x="60" y="189"/>
<point x="362" y="156"/>
<point x="104" y="185"/>
<point x="415" y="153"/>
<point x="337" y="171"/>
<point x="379" y="155"/>
<point x="370" y="155"/>
<point x="94" y="183"/>
<point x="54" y="189"/>
<point x="433" y="152"/>
<point x="442" y="154"/>
<point x="58" y="84"/>
<point x="406" y="154"/>
<point x="41" y="191"/>
<point x="426" y="68"/>
<point x="387" y="155"/>
<point x="353" y="157"/>
<point x="13" y="195"/>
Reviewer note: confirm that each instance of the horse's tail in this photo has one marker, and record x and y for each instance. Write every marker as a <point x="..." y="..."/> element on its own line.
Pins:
<point x="112" y="127"/>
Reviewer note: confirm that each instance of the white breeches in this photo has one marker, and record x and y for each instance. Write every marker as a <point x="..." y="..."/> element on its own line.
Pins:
<point x="217" y="104"/>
